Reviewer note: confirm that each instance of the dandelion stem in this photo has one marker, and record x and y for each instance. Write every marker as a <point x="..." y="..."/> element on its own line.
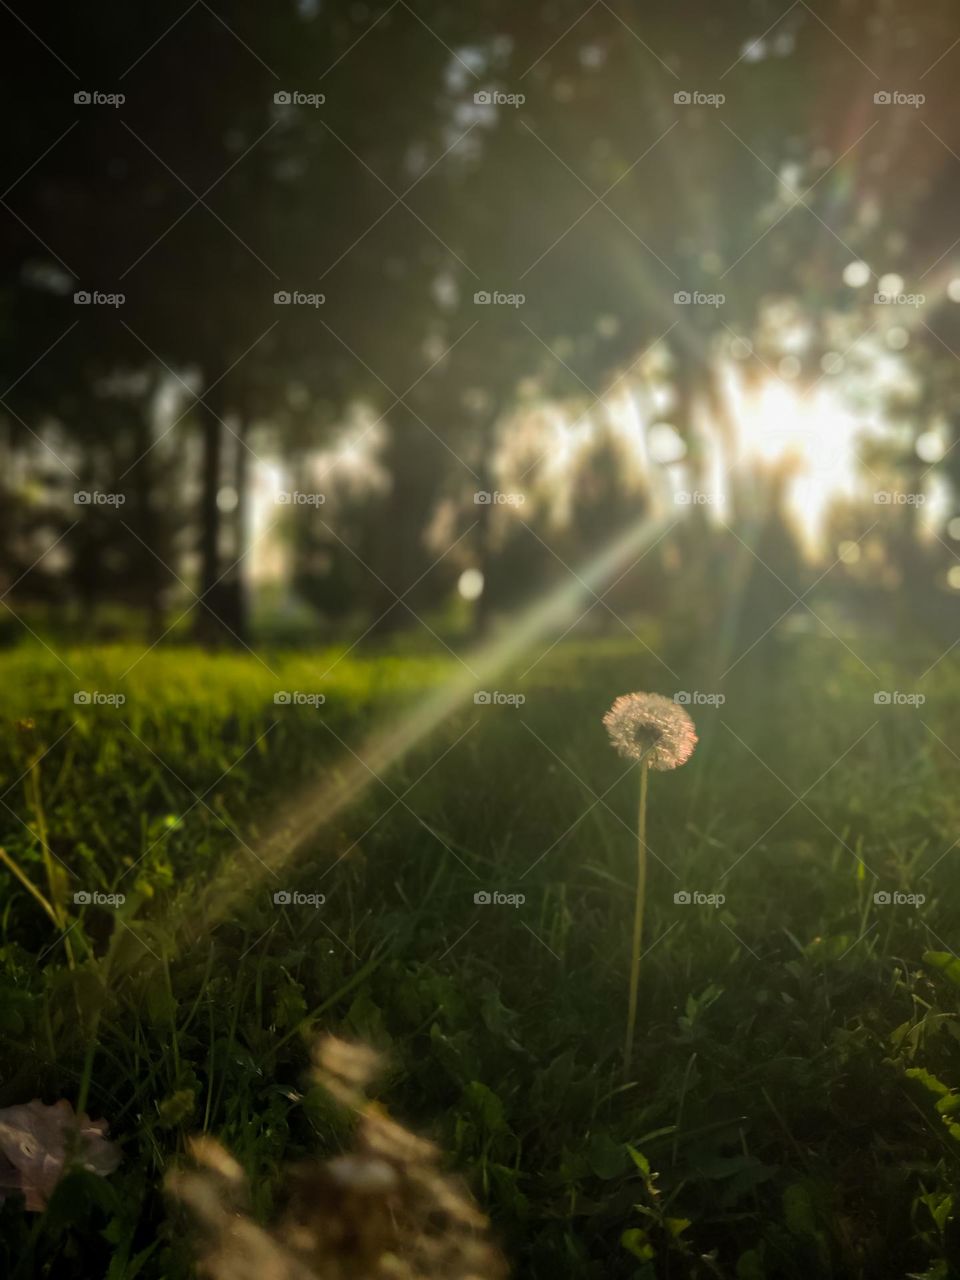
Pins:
<point x="637" y="916"/>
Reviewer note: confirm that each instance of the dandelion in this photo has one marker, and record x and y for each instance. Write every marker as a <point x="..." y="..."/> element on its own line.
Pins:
<point x="648" y="727"/>
<point x="658" y="734"/>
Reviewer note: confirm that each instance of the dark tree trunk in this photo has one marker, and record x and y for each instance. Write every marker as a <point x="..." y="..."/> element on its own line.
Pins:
<point x="411" y="457"/>
<point x="236" y="603"/>
<point x="212" y="415"/>
<point x="209" y="622"/>
<point x="147" y="523"/>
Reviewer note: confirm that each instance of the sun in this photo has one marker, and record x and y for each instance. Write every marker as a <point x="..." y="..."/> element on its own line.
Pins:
<point x="812" y="436"/>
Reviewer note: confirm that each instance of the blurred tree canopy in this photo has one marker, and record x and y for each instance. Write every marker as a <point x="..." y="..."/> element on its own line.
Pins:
<point x="406" y="162"/>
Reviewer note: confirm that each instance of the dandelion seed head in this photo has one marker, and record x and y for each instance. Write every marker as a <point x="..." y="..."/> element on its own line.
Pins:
<point x="651" y="727"/>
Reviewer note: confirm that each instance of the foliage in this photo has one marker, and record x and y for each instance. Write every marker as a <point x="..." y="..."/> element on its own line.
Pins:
<point x="792" y="1111"/>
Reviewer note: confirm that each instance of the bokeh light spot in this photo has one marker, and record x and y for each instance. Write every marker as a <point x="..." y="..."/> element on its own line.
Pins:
<point x="470" y="584"/>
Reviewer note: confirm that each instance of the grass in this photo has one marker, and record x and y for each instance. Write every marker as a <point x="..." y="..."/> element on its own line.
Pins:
<point x="797" y="1062"/>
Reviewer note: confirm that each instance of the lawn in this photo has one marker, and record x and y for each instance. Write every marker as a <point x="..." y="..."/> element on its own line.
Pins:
<point x="789" y="1111"/>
